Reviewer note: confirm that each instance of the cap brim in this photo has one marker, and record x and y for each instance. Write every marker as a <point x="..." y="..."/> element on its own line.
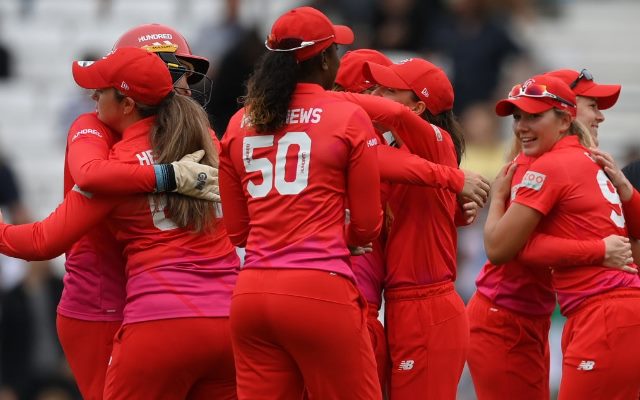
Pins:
<point x="344" y="34"/>
<point x="606" y="95"/>
<point x="87" y="75"/>
<point x="527" y="104"/>
<point x="383" y="76"/>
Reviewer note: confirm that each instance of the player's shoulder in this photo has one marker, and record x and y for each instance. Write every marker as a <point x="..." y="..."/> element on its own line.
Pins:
<point x="88" y="125"/>
<point x="346" y="114"/>
<point x="237" y="122"/>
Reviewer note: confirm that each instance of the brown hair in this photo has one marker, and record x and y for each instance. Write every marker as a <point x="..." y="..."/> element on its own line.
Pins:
<point x="182" y="127"/>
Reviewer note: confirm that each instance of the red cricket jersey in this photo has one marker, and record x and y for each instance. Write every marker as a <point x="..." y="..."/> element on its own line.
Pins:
<point x="421" y="242"/>
<point x="578" y="202"/>
<point x="171" y="272"/>
<point x="284" y="194"/>
<point x="524" y="285"/>
<point x="94" y="282"/>
<point x="513" y="285"/>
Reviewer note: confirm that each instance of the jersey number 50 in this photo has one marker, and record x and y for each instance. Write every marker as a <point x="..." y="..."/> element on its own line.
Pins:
<point x="276" y="176"/>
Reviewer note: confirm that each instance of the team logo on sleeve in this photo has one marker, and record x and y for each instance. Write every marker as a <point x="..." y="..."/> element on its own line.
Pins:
<point x="533" y="180"/>
<point x="86" y="131"/>
<point x="437" y="132"/>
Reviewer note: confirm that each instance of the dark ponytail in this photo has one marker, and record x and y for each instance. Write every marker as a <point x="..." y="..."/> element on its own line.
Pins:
<point x="448" y="121"/>
<point x="269" y="91"/>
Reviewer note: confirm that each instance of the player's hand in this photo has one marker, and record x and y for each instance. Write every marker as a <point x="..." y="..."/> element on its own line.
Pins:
<point x="1" y="218"/>
<point x="196" y="180"/>
<point x="361" y="250"/>
<point x="618" y="253"/>
<point x="619" y="180"/>
<point x="476" y="187"/>
<point x="501" y="186"/>
<point x="470" y="212"/>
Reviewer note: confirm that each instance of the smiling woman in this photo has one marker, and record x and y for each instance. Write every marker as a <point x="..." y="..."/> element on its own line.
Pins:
<point x="564" y="191"/>
<point x="591" y="97"/>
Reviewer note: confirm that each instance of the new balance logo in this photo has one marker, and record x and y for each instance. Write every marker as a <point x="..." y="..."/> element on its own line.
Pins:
<point x="586" y="365"/>
<point x="405" y="365"/>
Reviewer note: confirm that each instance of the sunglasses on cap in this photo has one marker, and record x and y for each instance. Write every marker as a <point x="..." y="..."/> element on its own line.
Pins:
<point x="291" y="44"/>
<point x="584" y="74"/>
<point x="536" y="91"/>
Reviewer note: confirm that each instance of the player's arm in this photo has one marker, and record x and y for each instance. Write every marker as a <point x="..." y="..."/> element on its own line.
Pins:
<point x="420" y="137"/>
<point x="628" y="194"/>
<point x="49" y="238"/>
<point x="631" y="210"/>
<point x="466" y="212"/>
<point x="422" y="140"/>
<point x="88" y="147"/>
<point x="506" y="231"/>
<point x="363" y="183"/>
<point x="236" y="213"/>
<point x="635" y="250"/>
<point x="544" y="251"/>
<point x="399" y="166"/>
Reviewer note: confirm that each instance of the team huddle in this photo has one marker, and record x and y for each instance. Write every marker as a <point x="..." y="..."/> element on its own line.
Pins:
<point x="340" y="179"/>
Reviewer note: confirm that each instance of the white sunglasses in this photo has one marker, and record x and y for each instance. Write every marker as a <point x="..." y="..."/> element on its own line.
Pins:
<point x="302" y="45"/>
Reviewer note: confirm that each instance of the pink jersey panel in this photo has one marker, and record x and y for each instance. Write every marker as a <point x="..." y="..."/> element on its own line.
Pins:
<point x="94" y="283"/>
<point x="514" y="285"/>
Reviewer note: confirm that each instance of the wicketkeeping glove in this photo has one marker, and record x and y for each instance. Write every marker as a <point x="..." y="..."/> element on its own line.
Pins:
<point x="187" y="176"/>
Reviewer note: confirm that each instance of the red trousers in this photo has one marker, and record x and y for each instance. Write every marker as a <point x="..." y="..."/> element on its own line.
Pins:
<point x="509" y="352"/>
<point x="601" y="356"/>
<point x="87" y="346"/>
<point x="298" y="328"/>
<point x="182" y="358"/>
<point x="428" y="338"/>
<point x="379" y="343"/>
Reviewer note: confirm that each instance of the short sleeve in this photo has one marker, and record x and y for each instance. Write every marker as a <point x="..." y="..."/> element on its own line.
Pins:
<point x="542" y="185"/>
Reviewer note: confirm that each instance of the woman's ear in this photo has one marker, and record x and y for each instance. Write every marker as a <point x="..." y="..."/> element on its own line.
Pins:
<point x="419" y="107"/>
<point x="128" y="105"/>
<point x="565" y="121"/>
<point x="324" y="60"/>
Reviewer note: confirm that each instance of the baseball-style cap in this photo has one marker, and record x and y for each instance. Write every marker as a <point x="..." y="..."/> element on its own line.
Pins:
<point x="425" y="79"/>
<point x="306" y="31"/>
<point x="582" y="84"/>
<point x="350" y="75"/>
<point x="538" y="94"/>
<point x="135" y="72"/>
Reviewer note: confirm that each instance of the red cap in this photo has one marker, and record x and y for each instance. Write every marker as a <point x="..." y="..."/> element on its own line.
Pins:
<point x="426" y="80"/>
<point x="161" y="38"/>
<point x="542" y="103"/>
<point x="350" y="75"/>
<point x="133" y="71"/>
<point x="606" y="95"/>
<point x="311" y="30"/>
